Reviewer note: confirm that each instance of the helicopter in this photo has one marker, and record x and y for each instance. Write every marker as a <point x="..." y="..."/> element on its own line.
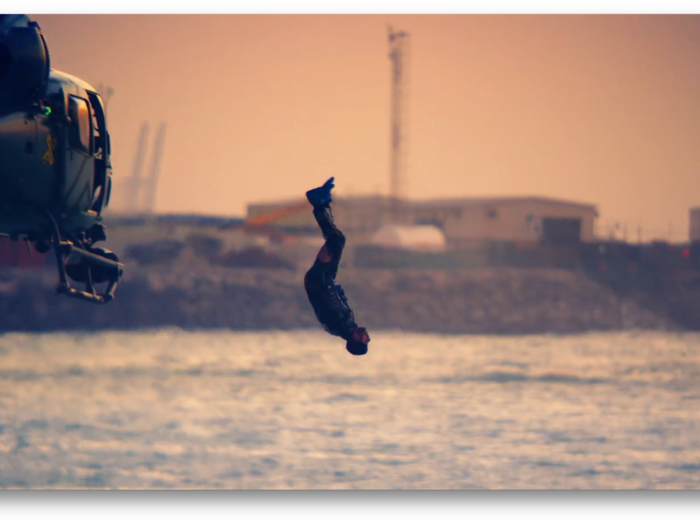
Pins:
<point x="55" y="170"/>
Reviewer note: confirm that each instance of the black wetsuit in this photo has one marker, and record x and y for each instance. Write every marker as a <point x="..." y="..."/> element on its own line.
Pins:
<point x="326" y="297"/>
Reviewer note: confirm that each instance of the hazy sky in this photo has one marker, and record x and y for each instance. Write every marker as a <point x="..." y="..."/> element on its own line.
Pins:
<point x="601" y="109"/>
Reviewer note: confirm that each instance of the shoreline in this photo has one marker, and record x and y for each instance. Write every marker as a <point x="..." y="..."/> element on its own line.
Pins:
<point x="381" y="331"/>
<point x="449" y="302"/>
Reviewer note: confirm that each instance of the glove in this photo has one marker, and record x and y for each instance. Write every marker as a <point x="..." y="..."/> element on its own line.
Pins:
<point x="320" y="197"/>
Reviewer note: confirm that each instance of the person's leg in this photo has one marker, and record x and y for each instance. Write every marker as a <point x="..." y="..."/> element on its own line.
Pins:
<point x="329" y="256"/>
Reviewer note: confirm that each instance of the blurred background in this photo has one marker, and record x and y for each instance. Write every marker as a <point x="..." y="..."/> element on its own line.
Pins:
<point x="519" y="198"/>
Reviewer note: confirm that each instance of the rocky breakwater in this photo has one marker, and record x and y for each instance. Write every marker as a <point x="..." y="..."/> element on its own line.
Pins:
<point x="447" y="301"/>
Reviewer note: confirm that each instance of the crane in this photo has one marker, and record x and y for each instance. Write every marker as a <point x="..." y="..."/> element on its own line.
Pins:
<point x="266" y="218"/>
<point x="262" y="223"/>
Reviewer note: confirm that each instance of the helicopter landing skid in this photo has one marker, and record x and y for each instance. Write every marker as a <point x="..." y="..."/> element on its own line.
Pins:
<point x="96" y="265"/>
<point x="90" y="264"/>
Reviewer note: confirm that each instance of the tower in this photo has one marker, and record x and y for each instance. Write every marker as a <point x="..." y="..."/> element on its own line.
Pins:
<point x="140" y="191"/>
<point x="135" y="188"/>
<point x="399" y="55"/>
<point x="152" y="185"/>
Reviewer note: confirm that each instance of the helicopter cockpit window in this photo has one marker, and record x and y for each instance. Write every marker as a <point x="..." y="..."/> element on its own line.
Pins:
<point x="81" y="124"/>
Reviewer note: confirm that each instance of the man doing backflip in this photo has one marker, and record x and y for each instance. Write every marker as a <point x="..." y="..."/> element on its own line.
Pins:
<point x="326" y="297"/>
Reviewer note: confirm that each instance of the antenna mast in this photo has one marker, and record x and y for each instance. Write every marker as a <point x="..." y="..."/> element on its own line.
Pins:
<point x="399" y="55"/>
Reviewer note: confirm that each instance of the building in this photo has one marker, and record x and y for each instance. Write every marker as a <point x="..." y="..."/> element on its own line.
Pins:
<point x="422" y="238"/>
<point x="520" y="219"/>
<point x="464" y="222"/>
<point x="16" y="254"/>
<point x="357" y="215"/>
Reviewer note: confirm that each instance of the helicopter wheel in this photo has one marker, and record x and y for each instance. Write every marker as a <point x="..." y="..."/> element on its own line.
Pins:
<point x="42" y="247"/>
<point x="79" y="271"/>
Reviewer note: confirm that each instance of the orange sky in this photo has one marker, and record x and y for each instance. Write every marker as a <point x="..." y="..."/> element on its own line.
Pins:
<point x="603" y="109"/>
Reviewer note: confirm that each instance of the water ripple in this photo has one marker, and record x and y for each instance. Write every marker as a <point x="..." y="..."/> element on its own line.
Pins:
<point x="293" y="410"/>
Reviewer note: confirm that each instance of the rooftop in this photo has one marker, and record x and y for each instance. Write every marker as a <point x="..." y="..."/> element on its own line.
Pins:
<point x="457" y="202"/>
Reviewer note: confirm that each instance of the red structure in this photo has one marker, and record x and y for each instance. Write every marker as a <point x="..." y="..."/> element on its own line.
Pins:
<point x="16" y="254"/>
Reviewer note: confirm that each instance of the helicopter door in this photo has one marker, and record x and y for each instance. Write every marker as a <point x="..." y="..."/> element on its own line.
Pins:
<point x="102" y="179"/>
<point x="80" y="168"/>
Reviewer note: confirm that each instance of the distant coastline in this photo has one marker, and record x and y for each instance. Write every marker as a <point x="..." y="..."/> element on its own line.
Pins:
<point x="436" y="301"/>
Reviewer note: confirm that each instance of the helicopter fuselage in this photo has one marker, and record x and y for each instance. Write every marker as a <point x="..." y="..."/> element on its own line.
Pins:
<point x="56" y="158"/>
<point x="55" y="172"/>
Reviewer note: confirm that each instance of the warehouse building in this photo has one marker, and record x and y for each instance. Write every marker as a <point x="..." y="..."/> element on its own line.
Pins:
<point x="464" y="222"/>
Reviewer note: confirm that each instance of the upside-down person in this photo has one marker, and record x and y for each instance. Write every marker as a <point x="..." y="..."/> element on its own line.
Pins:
<point x="326" y="297"/>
